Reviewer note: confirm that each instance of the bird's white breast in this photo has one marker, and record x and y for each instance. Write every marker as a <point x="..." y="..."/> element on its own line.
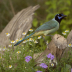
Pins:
<point x="52" y="30"/>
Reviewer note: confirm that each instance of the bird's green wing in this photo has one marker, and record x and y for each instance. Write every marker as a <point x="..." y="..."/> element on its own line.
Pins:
<point x="47" y="26"/>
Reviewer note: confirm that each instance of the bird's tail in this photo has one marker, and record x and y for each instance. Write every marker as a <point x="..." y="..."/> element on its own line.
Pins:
<point x="24" y="39"/>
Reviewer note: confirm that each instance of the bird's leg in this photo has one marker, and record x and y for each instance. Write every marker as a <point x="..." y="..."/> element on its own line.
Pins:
<point x="50" y="35"/>
<point x="45" y="42"/>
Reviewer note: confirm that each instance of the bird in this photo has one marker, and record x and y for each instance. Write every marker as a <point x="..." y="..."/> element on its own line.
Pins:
<point x="47" y="28"/>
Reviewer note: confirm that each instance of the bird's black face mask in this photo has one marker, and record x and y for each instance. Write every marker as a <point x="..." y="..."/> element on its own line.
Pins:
<point x="59" y="17"/>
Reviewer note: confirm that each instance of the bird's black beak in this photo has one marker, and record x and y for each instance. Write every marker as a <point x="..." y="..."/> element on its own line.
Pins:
<point x="64" y="16"/>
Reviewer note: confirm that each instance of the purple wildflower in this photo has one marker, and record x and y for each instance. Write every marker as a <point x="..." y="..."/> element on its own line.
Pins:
<point x="43" y="65"/>
<point x="50" y="56"/>
<point x="38" y="71"/>
<point x="71" y="69"/>
<point x="27" y="58"/>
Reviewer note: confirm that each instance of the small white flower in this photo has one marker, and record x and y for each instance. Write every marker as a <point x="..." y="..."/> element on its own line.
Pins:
<point x="31" y="51"/>
<point x="18" y="52"/>
<point x="24" y="33"/>
<point x="12" y="41"/>
<point x="7" y="34"/>
<point x="27" y="39"/>
<point x="10" y="45"/>
<point x="39" y="37"/>
<point x="66" y="30"/>
<point x="0" y="57"/>
<point x="30" y="39"/>
<point x="69" y="45"/>
<point x="20" y="39"/>
<point x="37" y="70"/>
<point x="4" y="49"/>
<point x="52" y="64"/>
<point x="36" y="41"/>
<point x="33" y="40"/>
<point x="63" y="33"/>
<point x="25" y="67"/>
<point x="28" y="35"/>
<point x="24" y="41"/>
<point x="17" y="40"/>
<point x="30" y="29"/>
<point x="23" y="48"/>
<point x="10" y="66"/>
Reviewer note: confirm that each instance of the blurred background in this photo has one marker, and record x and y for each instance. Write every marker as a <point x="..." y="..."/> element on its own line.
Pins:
<point x="48" y="9"/>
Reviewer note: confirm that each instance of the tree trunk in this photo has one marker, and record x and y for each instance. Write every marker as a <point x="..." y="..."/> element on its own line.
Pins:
<point x="20" y="23"/>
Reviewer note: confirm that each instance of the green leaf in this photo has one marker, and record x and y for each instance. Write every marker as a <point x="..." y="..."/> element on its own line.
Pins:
<point x="47" y="3"/>
<point x="67" y="12"/>
<point x="35" y="14"/>
<point x="68" y="2"/>
<point x="69" y="22"/>
<point x="35" y="22"/>
<point x="49" y="16"/>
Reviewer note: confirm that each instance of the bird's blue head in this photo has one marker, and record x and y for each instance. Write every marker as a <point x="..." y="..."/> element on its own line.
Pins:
<point x="59" y="17"/>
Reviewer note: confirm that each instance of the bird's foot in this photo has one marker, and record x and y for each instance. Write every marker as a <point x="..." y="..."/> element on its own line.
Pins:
<point x="46" y="43"/>
<point x="50" y="35"/>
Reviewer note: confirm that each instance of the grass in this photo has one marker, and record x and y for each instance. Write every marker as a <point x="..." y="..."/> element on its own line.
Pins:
<point x="12" y="59"/>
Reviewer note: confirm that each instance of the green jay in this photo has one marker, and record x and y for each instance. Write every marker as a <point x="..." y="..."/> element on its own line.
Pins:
<point x="47" y="28"/>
